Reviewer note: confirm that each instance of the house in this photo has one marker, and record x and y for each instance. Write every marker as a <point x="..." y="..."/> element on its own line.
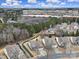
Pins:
<point x="14" y="52"/>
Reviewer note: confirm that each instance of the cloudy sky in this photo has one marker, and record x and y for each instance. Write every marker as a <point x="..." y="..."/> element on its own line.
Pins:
<point x="39" y="3"/>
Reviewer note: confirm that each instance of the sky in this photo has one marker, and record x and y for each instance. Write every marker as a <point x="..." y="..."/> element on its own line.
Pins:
<point x="39" y="3"/>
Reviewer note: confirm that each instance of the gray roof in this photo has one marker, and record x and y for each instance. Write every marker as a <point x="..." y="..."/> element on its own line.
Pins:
<point x="48" y="43"/>
<point x="14" y="52"/>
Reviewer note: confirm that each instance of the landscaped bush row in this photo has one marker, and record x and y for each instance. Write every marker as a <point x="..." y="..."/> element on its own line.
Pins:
<point x="35" y="28"/>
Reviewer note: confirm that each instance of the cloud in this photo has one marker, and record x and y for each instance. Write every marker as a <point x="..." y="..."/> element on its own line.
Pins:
<point x="12" y="3"/>
<point x="73" y="0"/>
<point x="44" y="5"/>
<point x="63" y="3"/>
<point x="53" y="1"/>
<point x="48" y="4"/>
<point x="3" y="4"/>
<point x="27" y="6"/>
<point x="32" y="1"/>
